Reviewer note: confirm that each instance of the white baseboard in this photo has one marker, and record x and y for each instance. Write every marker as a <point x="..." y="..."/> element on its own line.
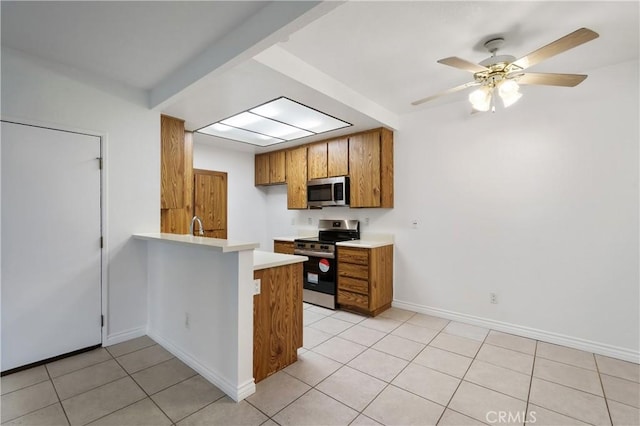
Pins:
<point x="236" y="393"/>
<point x="125" y="335"/>
<point x="533" y="333"/>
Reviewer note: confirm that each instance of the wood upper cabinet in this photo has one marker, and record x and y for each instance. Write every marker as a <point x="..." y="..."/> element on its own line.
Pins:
<point x="371" y="169"/>
<point x="365" y="279"/>
<point x="328" y="159"/>
<point x="262" y="169"/>
<point x="210" y="202"/>
<point x="277" y="169"/>
<point x="317" y="161"/>
<point x="296" y="160"/>
<point x="172" y="162"/>
<point x="270" y="168"/>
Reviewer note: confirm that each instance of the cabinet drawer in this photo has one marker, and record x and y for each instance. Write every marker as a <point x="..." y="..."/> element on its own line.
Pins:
<point x="284" y="247"/>
<point x="352" y="284"/>
<point x="353" y="271"/>
<point x="353" y="299"/>
<point x="353" y="255"/>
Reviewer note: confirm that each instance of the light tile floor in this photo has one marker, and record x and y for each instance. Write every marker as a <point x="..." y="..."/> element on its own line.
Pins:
<point x="400" y="368"/>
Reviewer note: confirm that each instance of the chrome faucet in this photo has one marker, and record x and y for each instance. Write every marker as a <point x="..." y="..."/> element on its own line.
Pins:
<point x="201" y="231"/>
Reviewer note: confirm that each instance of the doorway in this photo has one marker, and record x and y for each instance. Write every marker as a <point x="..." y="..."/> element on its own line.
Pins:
<point x="51" y="249"/>
<point x="210" y="201"/>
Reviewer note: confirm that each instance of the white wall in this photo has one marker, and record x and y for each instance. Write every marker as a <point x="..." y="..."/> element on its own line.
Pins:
<point x="537" y="203"/>
<point x="34" y="91"/>
<point x="246" y="204"/>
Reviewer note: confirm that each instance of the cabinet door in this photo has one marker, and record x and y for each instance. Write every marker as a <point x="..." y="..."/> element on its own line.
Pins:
<point x="317" y="159"/>
<point x="364" y="169"/>
<point x="262" y="169"/>
<point x="277" y="171"/>
<point x="297" y="178"/>
<point x="210" y="202"/>
<point x="284" y="247"/>
<point x="172" y="159"/>
<point x="338" y="157"/>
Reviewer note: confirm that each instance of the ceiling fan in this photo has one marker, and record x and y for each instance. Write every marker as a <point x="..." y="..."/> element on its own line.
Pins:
<point x="505" y="73"/>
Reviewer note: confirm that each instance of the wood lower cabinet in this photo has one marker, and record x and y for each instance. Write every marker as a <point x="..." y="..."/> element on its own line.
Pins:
<point x="365" y="279"/>
<point x="284" y="247"/>
<point x="297" y="178"/>
<point x="277" y="319"/>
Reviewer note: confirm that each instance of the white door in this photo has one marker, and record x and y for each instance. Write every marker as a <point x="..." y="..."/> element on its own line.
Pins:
<point x="51" y="255"/>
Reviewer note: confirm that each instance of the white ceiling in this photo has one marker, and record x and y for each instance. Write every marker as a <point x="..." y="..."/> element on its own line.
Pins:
<point x="363" y="62"/>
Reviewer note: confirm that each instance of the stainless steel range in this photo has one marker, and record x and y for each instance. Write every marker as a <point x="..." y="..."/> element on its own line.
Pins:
<point x="320" y="271"/>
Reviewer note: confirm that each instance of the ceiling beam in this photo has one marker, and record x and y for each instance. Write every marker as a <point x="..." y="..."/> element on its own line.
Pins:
<point x="295" y="68"/>
<point x="271" y="24"/>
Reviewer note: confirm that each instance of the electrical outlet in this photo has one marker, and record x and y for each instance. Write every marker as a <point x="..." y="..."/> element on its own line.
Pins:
<point x="256" y="286"/>
<point x="186" y="320"/>
<point x="414" y="223"/>
<point x="309" y="221"/>
<point x="493" y="298"/>
<point x="366" y="221"/>
<point x="293" y="221"/>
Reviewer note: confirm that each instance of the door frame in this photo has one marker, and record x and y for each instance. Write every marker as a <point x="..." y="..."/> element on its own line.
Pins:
<point x="104" y="205"/>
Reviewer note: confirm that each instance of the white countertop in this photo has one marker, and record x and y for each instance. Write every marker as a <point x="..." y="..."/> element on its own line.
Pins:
<point x="364" y="243"/>
<point x="266" y="259"/>
<point x="224" y="245"/>
<point x="291" y="239"/>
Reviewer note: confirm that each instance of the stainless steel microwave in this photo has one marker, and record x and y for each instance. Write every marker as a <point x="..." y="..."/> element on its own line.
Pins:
<point x="327" y="192"/>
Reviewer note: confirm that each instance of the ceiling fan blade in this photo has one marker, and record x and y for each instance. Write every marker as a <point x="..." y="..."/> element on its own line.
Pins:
<point x="462" y="64"/>
<point x="548" y="79"/>
<point x="445" y="92"/>
<point x="565" y="43"/>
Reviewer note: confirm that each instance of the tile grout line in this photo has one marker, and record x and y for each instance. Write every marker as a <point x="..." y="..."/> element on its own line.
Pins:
<point x="533" y="368"/>
<point x="462" y="378"/>
<point x="604" y="394"/>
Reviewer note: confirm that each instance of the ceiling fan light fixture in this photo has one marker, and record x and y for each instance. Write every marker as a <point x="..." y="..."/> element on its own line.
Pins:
<point x="481" y="99"/>
<point x="509" y="92"/>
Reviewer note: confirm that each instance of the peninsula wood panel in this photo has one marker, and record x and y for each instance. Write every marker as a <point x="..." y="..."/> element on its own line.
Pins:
<point x="364" y="169"/>
<point x="338" y="157"/>
<point x="317" y="161"/>
<point x="297" y="178"/>
<point x="277" y="167"/>
<point x="210" y="201"/>
<point x="277" y="319"/>
<point x="172" y="159"/>
<point x="284" y="247"/>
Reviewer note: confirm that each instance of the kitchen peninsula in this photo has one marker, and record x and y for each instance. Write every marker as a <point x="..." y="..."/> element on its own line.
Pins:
<point x="201" y="304"/>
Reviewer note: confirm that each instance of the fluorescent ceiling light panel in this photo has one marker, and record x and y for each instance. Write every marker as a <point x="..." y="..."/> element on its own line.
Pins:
<point x="298" y="115"/>
<point x="265" y="126"/>
<point x="228" y="132"/>
<point x="276" y="121"/>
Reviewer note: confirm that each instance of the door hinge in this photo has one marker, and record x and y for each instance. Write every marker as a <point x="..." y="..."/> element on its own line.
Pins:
<point x="101" y="320"/>
<point x="99" y="162"/>
<point x="101" y="242"/>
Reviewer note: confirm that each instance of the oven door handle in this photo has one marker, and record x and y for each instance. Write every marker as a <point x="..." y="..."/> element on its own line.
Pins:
<point x="315" y="254"/>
